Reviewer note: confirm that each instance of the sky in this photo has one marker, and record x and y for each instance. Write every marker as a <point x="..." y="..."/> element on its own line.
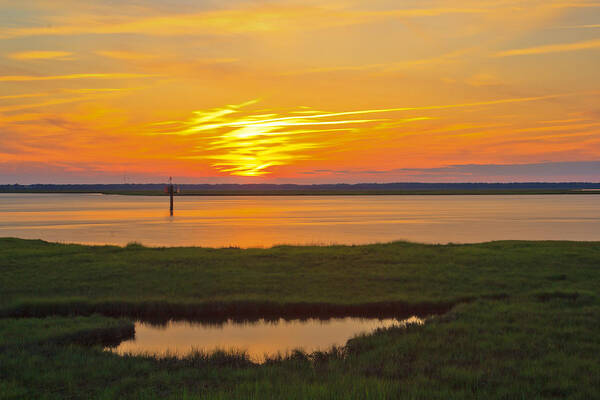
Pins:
<point x="306" y="91"/>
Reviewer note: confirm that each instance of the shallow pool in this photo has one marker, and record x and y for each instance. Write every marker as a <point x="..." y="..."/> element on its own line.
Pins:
<point x="259" y="339"/>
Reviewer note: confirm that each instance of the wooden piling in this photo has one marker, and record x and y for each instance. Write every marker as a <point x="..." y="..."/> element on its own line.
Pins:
<point x="171" y="199"/>
<point x="171" y="195"/>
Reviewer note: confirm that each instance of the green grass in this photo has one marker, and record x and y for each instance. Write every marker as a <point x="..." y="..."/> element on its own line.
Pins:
<point x="524" y="323"/>
<point x="59" y="330"/>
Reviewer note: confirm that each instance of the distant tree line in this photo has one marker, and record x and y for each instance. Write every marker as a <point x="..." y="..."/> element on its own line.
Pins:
<point x="342" y="187"/>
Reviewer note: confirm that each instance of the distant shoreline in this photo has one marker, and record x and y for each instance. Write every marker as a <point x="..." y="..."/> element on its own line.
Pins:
<point x="482" y="192"/>
<point x="357" y="189"/>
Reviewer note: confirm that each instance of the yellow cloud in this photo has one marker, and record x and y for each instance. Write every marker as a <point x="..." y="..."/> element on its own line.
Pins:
<point x="583" y="26"/>
<point x="226" y="22"/>
<point x="26" y="78"/>
<point x="96" y="90"/>
<point x="223" y="60"/>
<point x="249" y="145"/>
<point x="393" y="66"/>
<point x="125" y="55"/>
<point x="81" y="94"/>
<point x="44" y="104"/>
<point x="576" y="4"/>
<point x="551" y="48"/>
<point x="22" y="96"/>
<point x="39" y="55"/>
<point x="138" y="56"/>
<point x="259" y="18"/>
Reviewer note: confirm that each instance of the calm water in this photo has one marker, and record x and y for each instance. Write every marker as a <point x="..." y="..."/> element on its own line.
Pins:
<point x="258" y="338"/>
<point x="265" y="221"/>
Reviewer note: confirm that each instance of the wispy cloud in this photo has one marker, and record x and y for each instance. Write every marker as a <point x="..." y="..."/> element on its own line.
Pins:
<point x="39" y="55"/>
<point x="551" y="48"/>
<point x="96" y="90"/>
<point x="387" y="67"/>
<point x="256" y="18"/>
<point x="526" y="172"/>
<point x="581" y="26"/>
<point x="27" y="78"/>
<point x="139" y="56"/>
<point x="214" y="61"/>
<point x="62" y="96"/>
<point x="227" y="22"/>
<point x="78" y="91"/>
<point x="575" y="4"/>
<point x="52" y="102"/>
<point x="248" y="144"/>
<point x="125" y="55"/>
<point x="22" y="96"/>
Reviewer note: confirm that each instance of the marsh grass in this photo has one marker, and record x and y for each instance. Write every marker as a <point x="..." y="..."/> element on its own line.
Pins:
<point x="56" y="278"/>
<point x="94" y="330"/>
<point x="485" y="349"/>
<point x="522" y="321"/>
<point x="217" y="313"/>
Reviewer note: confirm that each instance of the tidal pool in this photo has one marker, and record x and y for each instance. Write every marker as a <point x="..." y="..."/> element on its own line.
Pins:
<point x="259" y="339"/>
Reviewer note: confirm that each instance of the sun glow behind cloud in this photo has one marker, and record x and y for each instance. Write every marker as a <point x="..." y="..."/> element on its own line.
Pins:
<point x="248" y="144"/>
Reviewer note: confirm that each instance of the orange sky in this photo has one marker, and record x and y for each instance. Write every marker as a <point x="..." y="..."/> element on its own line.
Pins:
<point x="290" y="91"/>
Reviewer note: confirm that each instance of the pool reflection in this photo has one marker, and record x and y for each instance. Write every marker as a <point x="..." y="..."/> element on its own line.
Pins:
<point x="258" y="338"/>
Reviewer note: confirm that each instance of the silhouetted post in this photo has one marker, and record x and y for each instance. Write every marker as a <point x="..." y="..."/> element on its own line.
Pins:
<point x="171" y="195"/>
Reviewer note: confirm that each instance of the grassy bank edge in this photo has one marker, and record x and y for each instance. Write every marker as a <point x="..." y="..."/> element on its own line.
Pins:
<point x="215" y="312"/>
<point x="57" y="331"/>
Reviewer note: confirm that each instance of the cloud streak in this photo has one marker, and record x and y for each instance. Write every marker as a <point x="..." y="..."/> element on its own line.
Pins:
<point x="247" y="144"/>
<point x="125" y="55"/>
<point x="386" y="67"/>
<point x="29" y="78"/>
<point x="42" y="104"/>
<point x="551" y="48"/>
<point x="228" y="22"/>
<point x="526" y="172"/>
<point x="582" y="26"/>
<point x="39" y="55"/>
<point x="22" y="96"/>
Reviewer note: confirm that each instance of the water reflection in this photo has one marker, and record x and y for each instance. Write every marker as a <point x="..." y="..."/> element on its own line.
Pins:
<point x="258" y="338"/>
<point x="254" y="221"/>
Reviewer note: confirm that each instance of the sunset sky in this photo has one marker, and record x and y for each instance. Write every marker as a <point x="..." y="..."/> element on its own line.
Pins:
<point x="299" y="91"/>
